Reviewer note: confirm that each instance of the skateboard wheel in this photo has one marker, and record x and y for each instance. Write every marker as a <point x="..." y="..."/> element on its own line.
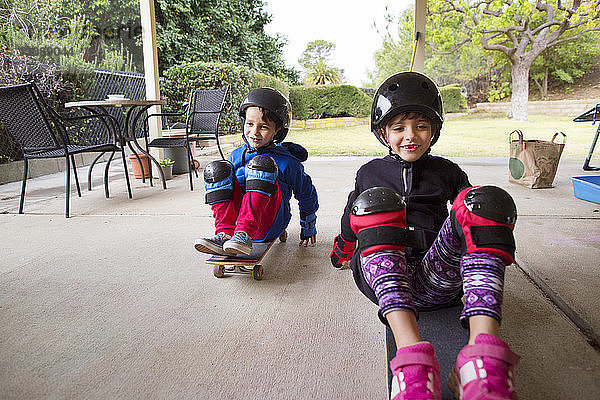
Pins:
<point x="257" y="272"/>
<point x="218" y="271"/>
<point x="283" y="236"/>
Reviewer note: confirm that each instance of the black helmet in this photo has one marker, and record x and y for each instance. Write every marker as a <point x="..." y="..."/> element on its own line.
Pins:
<point x="406" y="91"/>
<point x="273" y="101"/>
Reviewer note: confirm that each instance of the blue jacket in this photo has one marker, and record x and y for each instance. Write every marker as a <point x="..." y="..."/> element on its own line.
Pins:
<point x="291" y="178"/>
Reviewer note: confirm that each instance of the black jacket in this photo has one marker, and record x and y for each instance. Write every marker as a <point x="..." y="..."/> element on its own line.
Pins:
<point x="426" y="185"/>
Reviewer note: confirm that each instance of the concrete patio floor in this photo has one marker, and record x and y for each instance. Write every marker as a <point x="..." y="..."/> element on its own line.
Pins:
<point x="114" y="302"/>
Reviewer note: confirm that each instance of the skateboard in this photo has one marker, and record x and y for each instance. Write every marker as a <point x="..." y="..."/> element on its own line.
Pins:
<point x="442" y="329"/>
<point x="241" y="263"/>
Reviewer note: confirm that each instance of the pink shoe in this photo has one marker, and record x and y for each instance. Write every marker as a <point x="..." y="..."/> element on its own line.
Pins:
<point x="416" y="373"/>
<point x="484" y="371"/>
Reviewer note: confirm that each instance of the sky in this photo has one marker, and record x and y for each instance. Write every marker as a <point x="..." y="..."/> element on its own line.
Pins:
<point x="348" y="24"/>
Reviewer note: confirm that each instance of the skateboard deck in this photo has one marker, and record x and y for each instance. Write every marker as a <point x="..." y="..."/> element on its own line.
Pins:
<point x="241" y="263"/>
<point x="443" y="330"/>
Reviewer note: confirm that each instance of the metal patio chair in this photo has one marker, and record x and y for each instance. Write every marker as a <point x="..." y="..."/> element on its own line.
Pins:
<point x="203" y="113"/>
<point x="130" y="84"/>
<point x="43" y="133"/>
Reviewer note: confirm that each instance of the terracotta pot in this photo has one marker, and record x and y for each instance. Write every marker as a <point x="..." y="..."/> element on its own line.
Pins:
<point x="135" y="165"/>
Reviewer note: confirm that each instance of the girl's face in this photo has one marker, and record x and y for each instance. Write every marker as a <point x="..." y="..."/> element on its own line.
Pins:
<point x="258" y="132"/>
<point x="409" y="136"/>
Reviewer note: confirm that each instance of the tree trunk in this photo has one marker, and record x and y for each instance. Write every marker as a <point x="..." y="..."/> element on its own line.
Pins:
<point x="545" y="91"/>
<point x="520" y="92"/>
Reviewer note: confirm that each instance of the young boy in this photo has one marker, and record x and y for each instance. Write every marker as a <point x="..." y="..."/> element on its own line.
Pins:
<point x="430" y="265"/>
<point x="250" y="193"/>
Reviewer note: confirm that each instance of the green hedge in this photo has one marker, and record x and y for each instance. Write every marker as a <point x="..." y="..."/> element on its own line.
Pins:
<point x="181" y="78"/>
<point x="329" y="101"/>
<point x="452" y="98"/>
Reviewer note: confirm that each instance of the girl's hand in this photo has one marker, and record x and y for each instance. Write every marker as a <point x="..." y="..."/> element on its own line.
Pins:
<point x="308" y="242"/>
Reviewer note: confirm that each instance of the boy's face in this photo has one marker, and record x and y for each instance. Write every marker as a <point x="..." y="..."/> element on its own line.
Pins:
<point x="409" y="136"/>
<point x="258" y="132"/>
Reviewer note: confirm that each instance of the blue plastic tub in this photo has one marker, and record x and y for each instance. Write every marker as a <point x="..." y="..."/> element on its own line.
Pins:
<point x="587" y="188"/>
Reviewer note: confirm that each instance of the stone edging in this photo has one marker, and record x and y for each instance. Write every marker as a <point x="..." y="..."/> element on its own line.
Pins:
<point x="570" y="108"/>
<point x="340" y="122"/>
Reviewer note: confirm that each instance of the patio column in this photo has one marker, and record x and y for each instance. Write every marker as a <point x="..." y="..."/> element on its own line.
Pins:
<point x="420" y="23"/>
<point x="150" y="64"/>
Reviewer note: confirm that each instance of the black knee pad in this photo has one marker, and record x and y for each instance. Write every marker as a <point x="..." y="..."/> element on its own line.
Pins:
<point x="377" y="200"/>
<point x="378" y="218"/>
<point x="218" y="181"/>
<point x="484" y="218"/>
<point x="261" y="175"/>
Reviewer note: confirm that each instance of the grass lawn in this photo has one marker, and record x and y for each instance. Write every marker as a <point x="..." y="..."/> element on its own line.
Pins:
<point x="470" y="135"/>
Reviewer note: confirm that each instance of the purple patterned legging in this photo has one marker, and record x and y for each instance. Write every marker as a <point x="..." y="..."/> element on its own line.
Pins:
<point x="437" y="278"/>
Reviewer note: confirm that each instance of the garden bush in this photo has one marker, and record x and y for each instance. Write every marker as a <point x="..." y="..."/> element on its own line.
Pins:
<point x="17" y="68"/>
<point x="452" y="98"/>
<point x="329" y="101"/>
<point x="181" y="78"/>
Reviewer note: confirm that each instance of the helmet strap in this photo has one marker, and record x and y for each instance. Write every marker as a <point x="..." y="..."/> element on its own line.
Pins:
<point x="251" y="149"/>
<point x="398" y="158"/>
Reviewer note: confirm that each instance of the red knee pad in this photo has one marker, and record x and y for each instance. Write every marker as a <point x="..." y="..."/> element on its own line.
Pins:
<point x="378" y="219"/>
<point x="380" y="231"/>
<point x="484" y="218"/>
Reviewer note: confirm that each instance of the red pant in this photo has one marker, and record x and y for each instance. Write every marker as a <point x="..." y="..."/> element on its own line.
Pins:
<point x="251" y="212"/>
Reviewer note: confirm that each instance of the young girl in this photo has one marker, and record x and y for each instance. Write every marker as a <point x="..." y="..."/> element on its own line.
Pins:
<point x="250" y="193"/>
<point x="441" y="256"/>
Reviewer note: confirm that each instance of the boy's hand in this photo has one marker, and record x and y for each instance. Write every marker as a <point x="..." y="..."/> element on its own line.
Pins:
<point x="308" y="241"/>
<point x="308" y="229"/>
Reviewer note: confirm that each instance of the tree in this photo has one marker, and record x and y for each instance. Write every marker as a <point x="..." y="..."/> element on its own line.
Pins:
<point x="315" y="59"/>
<point x="564" y="63"/>
<point x="468" y="66"/>
<point x="519" y="29"/>
<point x="395" y="52"/>
<point x="320" y="73"/>
<point x="215" y="30"/>
<point x="37" y="29"/>
<point x="316" y="50"/>
<point x="115" y="24"/>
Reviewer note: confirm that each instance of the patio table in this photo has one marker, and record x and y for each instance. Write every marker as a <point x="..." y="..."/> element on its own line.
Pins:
<point x="126" y="132"/>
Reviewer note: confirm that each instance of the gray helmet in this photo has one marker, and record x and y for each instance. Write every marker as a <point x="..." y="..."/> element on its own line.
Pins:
<point x="273" y="101"/>
<point x="406" y="91"/>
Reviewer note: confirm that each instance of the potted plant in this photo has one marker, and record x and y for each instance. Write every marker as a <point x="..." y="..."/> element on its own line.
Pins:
<point x="137" y="168"/>
<point x="166" y="164"/>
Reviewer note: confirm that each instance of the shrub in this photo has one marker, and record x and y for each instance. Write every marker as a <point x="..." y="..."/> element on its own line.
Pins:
<point x="329" y="101"/>
<point x="181" y="78"/>
<point x="17" y="68"/>
<point x="452" y="98"/>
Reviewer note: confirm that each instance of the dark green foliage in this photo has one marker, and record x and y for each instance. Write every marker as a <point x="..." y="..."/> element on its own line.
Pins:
<point x="202" y="75"/>
<point x="115" y="30"/>
<point x="452" y="98"/>
<point x="219" y="31"/>
<point x="329" y="101"/>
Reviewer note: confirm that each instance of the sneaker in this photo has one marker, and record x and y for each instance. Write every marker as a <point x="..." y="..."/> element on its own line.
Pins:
<point x="416" y="373"/>
<point x="213" y="245"/>
<point x="484" y="370"/>
<point x="240" y="242"/>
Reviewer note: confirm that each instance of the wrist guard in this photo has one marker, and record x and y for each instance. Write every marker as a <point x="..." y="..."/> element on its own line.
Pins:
<point x="342" y="251"/>
<point x="308" y="225"/>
